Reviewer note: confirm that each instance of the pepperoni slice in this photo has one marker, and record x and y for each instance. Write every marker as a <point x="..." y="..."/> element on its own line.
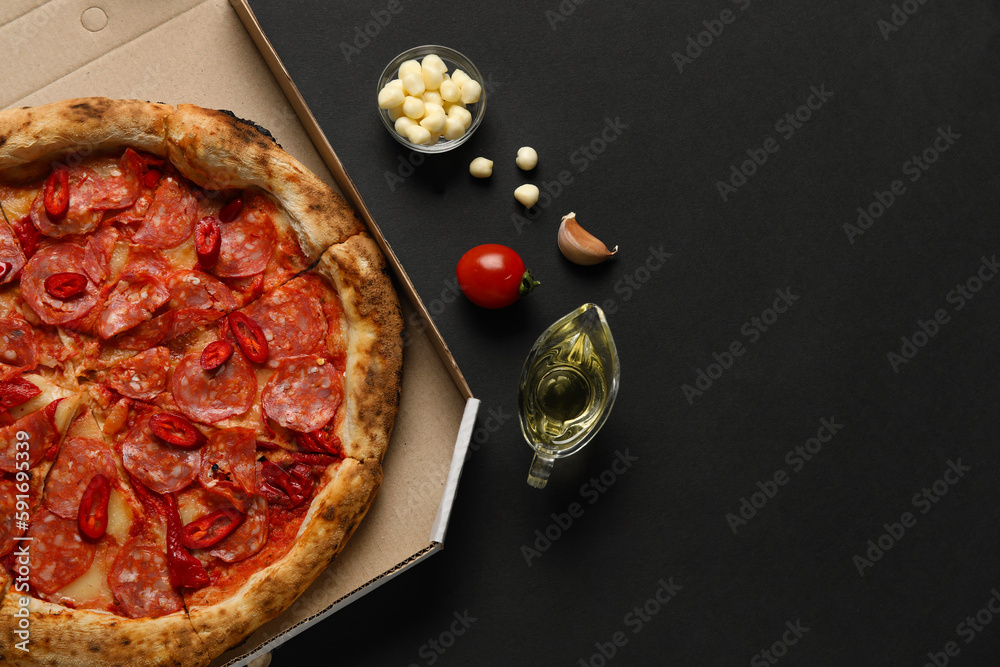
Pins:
<point x="59" y="555"/>
<point x="97" y="253"/>
<point x="11" y="254"/>
<point x="208" y="396"/>
<point x="247" y="241"/>
<point x="249" y="538"/>
<point x="292" y="319"/>
<point x="140" y="581"/>
<point x="229" y="456"/>
<point x="302" y="395"/>
<point x="171" y="215"/>
<point x="18" y="348"/>
<point x="80" y="217"/>
<point x="59" y="258"/>
<point x="161" y="467"/>
<point x="79" y="460"/>
<point x="8" y="507"/>
<point x="197" y="299"/>
<point x="132" y="302"/>
<point x="147" y="334"/>
<point x="41" y="432"/>
<point x="143" y="376"/>
<point x="122" y="187"/>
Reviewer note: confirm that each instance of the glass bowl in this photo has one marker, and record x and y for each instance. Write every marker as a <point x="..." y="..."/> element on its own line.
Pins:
<point x="454" y="60"/>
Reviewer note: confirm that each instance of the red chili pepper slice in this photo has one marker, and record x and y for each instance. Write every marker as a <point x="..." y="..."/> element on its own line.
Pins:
<point x="93" y="517"/>
<point x="322" y="442"/>
<point x="215" y="354"/>
<point x="56" y="195"/>
<point x="151" y="178"/>
<point x="268" y="446"/>
<point x="176" y="430"/>
<point x="27" y="235"/>
<point x="50" y="411"/>
<point x="65" y="286"/>
<point x="16" y="392"/>
<point x="207" y="242"/>
<point x="211" y="528"/>
<point x="185" y="569"/>
<point x="295" y="483"/>
<point x="249" y="336"/>
<point x="4" y="268"/>
<point x="231" y="211"/>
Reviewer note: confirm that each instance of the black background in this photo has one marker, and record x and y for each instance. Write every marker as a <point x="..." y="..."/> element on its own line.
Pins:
<point x="555" y="85"/>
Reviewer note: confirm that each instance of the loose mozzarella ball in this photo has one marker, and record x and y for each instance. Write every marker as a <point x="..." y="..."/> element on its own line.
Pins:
<point x="527" y="158"/>
<point x="461" y="113"/>
<point x="432" y="77"/>
<point x="460" y="77"/>
<point x="413" y="84"/>
<point x="471" y="90"/>
<point x="413" y="107"/>
<point x="395" y="113"/>
<point x="527" y="194"/>
<point x="421" y="135"/>
<point x="481" y="167"/>
<point x="409" y="67"/>
<point x="453" y="129"/>
<point x="432" y="97"/>
<point x="434" y="61"/>
<point x="435" y="122"/>
<point x="450" y="91"/>
<point x="404" y="122"/>
<point x="390" y="97"/>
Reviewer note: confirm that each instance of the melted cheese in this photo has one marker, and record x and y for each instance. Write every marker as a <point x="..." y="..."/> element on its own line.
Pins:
<point x="92" y="584"/>
<point x="119" y="517"/>
<point x="50" y="392"/>
<point x="17" y="201"/>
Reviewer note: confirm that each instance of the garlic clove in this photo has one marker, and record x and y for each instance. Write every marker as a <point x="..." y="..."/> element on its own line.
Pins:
<point x="580" y="246"/>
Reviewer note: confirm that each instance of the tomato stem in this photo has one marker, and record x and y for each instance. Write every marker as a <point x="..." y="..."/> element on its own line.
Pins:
<point x="528" y="283"/>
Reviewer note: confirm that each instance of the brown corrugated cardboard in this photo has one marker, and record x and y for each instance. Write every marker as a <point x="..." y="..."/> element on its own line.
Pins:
<point x="198" y="51"/>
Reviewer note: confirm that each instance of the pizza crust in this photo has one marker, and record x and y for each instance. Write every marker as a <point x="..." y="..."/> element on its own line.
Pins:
<point x="33" y="137"/>
<point x="63" y="636"/>
<point x="358" y="271"/>
<point x="333" y="515"/>
<point x="218" y="151"/>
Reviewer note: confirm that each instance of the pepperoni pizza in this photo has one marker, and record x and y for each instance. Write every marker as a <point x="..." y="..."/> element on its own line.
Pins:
<point x="200" y="364"/>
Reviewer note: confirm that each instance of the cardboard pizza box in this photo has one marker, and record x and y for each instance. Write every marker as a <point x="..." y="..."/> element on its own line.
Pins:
<point x="212" y="53"/>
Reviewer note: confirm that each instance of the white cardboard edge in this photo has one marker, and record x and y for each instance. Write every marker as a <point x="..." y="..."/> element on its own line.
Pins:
<point x="438" y="530"/>
<point x="462" y="441"/>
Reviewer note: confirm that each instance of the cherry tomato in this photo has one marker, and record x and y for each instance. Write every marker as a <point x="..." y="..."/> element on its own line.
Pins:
<point x="493" y="276"/>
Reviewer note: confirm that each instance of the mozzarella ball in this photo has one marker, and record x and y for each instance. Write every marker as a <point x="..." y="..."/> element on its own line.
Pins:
<point x="434" y="122"/>
<point x="404" y="122"/>
<point x="527" y="158"/>
<point x="460" y="77"/>
<point x="413" y="107"/>
<point x="413" y="84"/>
<point x="450" y="91"/>
<point x="409" y="67"/>
<point x="432" y="77"/>
<point x="481" y="167"/>
<point x="471" y="90"/>
<point x="433" y="97"/>
<point x="461" y="114"/>
<point x="421" y="135"/>
<point x="527" y="194"/>
<point x="434" y="61"/>
<point x="390" y="97"/>
<point x="453" y="129"/>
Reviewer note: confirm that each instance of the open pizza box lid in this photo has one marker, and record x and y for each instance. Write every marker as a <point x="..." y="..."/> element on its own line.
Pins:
<point x="200" y="51"/>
